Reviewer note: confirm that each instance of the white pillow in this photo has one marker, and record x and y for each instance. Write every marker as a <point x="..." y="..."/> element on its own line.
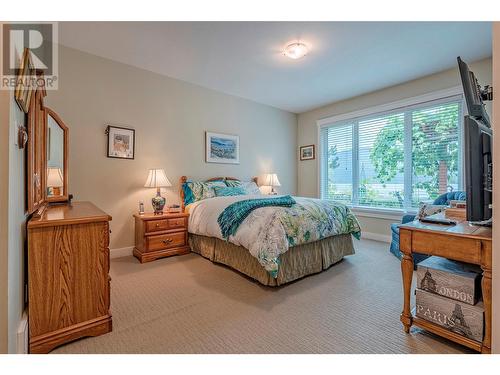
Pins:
<point x="251" y="187"/>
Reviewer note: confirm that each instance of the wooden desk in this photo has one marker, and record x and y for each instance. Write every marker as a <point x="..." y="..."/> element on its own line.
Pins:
<point x="461" y="242"/>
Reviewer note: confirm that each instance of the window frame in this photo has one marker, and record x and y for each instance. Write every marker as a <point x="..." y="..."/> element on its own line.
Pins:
<point x="405" y="105"/>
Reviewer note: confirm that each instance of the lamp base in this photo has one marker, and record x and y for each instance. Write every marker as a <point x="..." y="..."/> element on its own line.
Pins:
<point x="158" y="203"/>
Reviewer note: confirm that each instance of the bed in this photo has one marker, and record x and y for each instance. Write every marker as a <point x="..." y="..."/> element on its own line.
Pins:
<point x="272" y="244"/>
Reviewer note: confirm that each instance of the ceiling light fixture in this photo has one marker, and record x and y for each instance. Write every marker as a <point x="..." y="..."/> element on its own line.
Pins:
<point x="295" y="50"/>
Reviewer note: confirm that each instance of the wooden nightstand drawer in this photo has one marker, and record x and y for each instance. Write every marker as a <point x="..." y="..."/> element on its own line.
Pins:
<point x="166" y="241"/>
<point x="176" y="223"/>
<point x="165" y="224"/>
<point x="156" y="225"/>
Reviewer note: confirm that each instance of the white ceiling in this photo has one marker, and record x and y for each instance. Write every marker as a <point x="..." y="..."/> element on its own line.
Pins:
<point x="346" y="59"/>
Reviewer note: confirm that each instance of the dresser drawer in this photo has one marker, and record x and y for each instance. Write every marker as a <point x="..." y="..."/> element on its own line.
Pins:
<point x="166" y="241"/>
<point x="165" y="224"/>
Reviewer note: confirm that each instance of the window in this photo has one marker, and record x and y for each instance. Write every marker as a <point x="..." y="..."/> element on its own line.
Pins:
<point x="393" y="159"/>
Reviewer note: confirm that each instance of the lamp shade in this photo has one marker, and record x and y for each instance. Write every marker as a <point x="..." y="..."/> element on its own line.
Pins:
<point x="157" y="178"/>
<point x="271" y="179"/>
<point x="54" y="177"/>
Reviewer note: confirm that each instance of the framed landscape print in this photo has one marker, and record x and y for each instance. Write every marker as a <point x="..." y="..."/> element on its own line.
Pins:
<point x="222" y="148"/>
<point x="121" y="142"/>
<point x="307" y="152"/>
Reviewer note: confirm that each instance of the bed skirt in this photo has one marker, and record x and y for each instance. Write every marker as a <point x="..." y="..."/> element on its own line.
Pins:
<point x="296" y="263"/>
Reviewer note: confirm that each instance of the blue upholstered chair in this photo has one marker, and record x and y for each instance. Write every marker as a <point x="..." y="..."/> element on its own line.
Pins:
<point x="443" y="199"/>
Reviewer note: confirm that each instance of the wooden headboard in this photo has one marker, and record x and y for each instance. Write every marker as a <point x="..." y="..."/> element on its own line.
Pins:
<point x="184" y="179"/>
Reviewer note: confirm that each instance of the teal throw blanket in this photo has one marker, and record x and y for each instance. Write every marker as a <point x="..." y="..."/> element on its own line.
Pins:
<point x="231" y="218"/>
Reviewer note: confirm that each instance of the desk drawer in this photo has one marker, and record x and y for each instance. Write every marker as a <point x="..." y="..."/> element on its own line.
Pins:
<point x="458" y="248"/>
<point x="166" y="241"/>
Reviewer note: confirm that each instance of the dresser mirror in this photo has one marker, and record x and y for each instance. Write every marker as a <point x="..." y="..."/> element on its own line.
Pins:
<point x="47" y="155"/>
<point x="35" y="176"/>
<point x="56" y="146"/>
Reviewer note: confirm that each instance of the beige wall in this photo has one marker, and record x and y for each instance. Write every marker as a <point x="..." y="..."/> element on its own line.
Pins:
<point x="170" y="118"/>
<point x="307" y="171"/>
<point x="496" y="192"/>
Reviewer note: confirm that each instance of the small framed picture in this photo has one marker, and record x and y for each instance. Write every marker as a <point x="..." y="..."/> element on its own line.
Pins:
<point x="121" y="142"/>
<point x="222" y="148"/>
<point x="307" y="152"/>
<point x="26" y="75"/>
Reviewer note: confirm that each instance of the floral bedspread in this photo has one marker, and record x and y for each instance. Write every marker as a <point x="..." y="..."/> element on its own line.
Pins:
<point x="269" y="232"/>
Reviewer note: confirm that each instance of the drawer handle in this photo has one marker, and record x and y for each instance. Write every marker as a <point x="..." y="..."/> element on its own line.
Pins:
<point x="167" y="241"/>
<point x="157" y="225"/>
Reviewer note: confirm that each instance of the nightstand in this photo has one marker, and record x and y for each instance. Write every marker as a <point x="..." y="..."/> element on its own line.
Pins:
<point x="158" y="236"/>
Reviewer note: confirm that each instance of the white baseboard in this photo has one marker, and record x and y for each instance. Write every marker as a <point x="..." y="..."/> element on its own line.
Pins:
<point x="121" y="252"/>
<point x="22" y="335"/>
<point x="376" y="237"/>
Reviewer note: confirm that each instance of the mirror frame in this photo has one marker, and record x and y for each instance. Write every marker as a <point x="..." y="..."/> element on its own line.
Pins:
<point x="65" y="197"/>
<point x="35" y="173"/>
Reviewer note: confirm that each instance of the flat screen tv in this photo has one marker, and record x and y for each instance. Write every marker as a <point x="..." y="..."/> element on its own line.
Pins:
<point x="478" y="170"/>
<point x="474" y="94"/>
<point x="477" y="149"/>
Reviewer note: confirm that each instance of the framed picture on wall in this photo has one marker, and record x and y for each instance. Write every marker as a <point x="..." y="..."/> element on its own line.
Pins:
<point x="121" y="142"/>
<point x="307" y="152"/>
<point x="222" y="148"/>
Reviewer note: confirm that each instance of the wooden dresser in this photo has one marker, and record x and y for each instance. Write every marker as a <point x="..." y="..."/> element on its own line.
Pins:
<point x="158" y="236"/>
<point x="68" y="275"/>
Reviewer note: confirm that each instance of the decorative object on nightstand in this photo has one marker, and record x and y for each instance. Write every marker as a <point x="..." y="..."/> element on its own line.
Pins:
<point x="271" y="180"/>
<point x="158" y="236"/>
<point x="175" y="208"/>
<point x="157" y="179"/>
<point x="55" y="181"/>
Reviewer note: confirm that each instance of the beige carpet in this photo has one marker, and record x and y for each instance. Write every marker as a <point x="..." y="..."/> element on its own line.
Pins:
<point x="186" y="304"/>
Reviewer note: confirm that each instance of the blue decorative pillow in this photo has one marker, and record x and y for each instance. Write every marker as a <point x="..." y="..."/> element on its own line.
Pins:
<point x="229" y="191"/>
<point x="196" y="190"/>
<point x="233" y="183"/>
<point x="188" y="194"/>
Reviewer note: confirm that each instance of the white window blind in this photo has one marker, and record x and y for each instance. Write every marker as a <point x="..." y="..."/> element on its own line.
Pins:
<point x="394" y="159"/>
<point x="337" y="156"/>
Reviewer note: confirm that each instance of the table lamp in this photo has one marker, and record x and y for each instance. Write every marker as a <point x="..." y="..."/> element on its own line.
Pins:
<point x="55" y="180"/>
<point x="271" y="179"/>
<point x="157" y="179"/>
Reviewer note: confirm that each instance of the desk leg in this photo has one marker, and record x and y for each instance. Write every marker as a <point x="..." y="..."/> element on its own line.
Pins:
<point x="407" y="273"/>
<point x="486" y="289"/>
